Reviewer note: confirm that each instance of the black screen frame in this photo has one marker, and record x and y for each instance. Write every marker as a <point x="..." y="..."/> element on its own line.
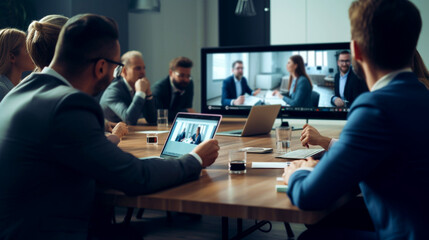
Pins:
<point x="341" y="114"/>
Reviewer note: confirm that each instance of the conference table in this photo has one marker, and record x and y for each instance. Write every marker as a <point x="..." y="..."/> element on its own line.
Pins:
<point x="247" y="196"/>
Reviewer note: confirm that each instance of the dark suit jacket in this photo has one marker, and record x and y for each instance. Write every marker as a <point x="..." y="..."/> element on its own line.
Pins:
<point x="180" y="136"/>
<point x="229" y="91"/>
<point x="389" y="161"/>
<point x="162" y="91"/>
<point x="195" y="139"/>
<point x="52" y="152"/>
<point x="118" y="105"/>
<point x="354" y="87"/>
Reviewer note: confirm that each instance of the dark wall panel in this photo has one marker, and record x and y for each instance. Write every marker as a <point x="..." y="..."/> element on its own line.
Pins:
<point x="242" y="31"/>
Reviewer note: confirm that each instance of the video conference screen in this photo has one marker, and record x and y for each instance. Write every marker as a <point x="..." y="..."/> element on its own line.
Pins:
<point x="187" y="133"/>
<point x="237" y="78"/>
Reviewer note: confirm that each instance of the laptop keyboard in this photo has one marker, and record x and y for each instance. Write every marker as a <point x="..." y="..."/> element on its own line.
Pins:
<point x="302" y="153"/>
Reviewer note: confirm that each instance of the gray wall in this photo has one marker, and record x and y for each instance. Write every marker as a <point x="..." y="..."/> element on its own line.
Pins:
<point x="181" y="28"/>
<point x="315" y="21"/>
<point x="116" y="9"/>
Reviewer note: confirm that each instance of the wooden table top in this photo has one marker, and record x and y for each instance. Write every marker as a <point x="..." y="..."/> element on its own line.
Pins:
<point x="248" y="196"/>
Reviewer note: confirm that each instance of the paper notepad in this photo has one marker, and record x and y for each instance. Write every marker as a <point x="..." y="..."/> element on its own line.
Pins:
<point x="281" y="188"/>
<point x="269" y="164"/>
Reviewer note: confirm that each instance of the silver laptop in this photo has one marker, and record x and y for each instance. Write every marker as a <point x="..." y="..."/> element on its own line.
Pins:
<point x="260" y="121"/>
<point x="182" y="138"/>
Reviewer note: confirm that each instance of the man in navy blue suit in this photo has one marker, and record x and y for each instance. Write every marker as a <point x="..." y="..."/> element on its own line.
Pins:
<point x="181" y="136"/>
<point x="235" y="86"/>
<point x="388" y="160"/>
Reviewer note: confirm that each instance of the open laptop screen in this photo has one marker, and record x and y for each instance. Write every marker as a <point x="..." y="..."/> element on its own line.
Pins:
<point x="188" y="131"/>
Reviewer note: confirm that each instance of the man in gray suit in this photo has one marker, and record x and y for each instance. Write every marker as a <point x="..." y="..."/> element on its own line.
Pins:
<point x="52" y="144"/>
<point x="129" y="96"/>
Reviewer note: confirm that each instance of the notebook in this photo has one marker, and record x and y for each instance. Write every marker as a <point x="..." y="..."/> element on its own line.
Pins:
<point x="183" y="137"/>
<point x="260" y="121"/>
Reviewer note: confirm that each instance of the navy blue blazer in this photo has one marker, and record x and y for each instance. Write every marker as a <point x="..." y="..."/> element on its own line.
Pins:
<point x="383" y="147"/>
<point x="229" y="91"/>
<point x="301" y="97"/>
<point x="354" y="87"/>
<point x="196" y="140"/>
<point x="118" y="105"/>
<point x="180" y="136"/>
<point x="52" y="152"/>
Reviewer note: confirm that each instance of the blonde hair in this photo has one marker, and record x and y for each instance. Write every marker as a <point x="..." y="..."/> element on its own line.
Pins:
<point x="11" y="41"/>
<point x="42" y="39"/>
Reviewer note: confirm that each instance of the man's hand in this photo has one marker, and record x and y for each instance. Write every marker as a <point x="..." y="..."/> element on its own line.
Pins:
<point x="239" y="100"/>
<point x="108" y="126"/>
<point x="256" y="92"/>
<point x="208" y="151"/>
<point x="277" y="94"/>
<point x="143" y="85"/>
<point x="289" y="170"/>
<point x="339" y="102"/>
<point x="120" y="130"/>
<point x="310" y="135"/>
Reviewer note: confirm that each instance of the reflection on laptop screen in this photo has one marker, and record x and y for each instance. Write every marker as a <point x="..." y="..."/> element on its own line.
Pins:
<point x="187" y="133"/>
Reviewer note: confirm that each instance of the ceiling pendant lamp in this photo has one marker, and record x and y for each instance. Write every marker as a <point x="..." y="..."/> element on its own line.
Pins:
<point x="245" y="8"/>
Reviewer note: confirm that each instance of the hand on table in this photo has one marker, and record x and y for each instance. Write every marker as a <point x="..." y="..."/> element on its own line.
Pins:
<point x="309" y="162"/>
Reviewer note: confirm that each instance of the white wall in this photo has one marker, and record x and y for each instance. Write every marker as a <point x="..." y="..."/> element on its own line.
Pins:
<point x="181" y="28"/>
<point x="315" y="21"/>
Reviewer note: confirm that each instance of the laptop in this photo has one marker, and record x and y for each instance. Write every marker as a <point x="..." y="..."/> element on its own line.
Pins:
<point x="182" y="138"/>
<point x="260" y="121"/>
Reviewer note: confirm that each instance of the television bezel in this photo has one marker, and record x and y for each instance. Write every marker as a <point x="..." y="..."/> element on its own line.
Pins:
<point x="341" y="114"/>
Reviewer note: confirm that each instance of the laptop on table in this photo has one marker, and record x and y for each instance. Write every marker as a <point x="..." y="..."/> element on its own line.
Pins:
<point x="178" y="144"/>
<point x="260" y="121"/>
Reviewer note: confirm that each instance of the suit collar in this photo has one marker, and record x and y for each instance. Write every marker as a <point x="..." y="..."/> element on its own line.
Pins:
<point x="386" y="79"/>
<point x="51" y="72"/>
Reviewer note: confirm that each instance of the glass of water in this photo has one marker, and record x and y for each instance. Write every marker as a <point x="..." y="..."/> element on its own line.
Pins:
<point x="283" y="138"/>
<point x="237" y="162"/>
<point x="162" y="118"/>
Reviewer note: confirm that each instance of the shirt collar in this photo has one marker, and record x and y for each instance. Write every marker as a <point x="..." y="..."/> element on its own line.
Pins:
<point x="53" y="73"/>
<point x="386" y="79"/>
<point x="130" y="89"/>
<point x="4" y="79"/>
<point x="174" y="87"/>
<point x="236" y="80"/>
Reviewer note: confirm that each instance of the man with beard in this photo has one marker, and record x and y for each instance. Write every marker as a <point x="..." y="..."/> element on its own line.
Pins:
<point x="52" y="144"/>
<point x="176" y="91"/>
<point x="347" y="85"/>
<point x="375" y="150"/>
<point x="235" y="86"/>
<point x="129" y="96"/>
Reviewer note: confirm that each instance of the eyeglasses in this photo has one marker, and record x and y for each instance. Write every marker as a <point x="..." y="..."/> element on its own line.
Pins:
<point x="181" y="75"/>
<point x="344" y="61"/>
<point x="118" y="69"/>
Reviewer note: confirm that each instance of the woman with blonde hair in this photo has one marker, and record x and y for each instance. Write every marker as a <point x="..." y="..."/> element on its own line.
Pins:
<point x="42" y="38"/>
<point x="300" y="86"/>
<point x="14" y="59"/>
